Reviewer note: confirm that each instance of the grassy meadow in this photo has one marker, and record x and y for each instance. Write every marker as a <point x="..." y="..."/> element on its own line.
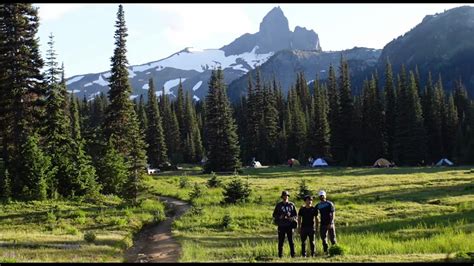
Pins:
<point x="54" y="231"/>
<point x="382" y="215"/>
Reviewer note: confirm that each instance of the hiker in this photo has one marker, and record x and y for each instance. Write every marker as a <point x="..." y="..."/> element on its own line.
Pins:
<point x="326" y="211"/>
<point x="284" y="215"/>
<point x="310" y="161"/>
<point x="307" y="222"/>
<point x="290" y="162"/>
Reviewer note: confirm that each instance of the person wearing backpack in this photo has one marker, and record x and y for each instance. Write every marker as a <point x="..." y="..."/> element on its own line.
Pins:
<point x="285" y="216"/>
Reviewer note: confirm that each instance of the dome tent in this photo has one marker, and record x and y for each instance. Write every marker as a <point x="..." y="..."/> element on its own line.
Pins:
<point x="320" y="162"/>
<point x="444" y="162"/>
<point x="382" y="162"/>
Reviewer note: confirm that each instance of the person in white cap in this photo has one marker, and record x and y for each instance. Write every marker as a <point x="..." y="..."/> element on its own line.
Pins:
<point x="326" y="211"/>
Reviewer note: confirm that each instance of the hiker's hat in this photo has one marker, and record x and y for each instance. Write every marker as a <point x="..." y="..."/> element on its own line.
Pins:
<point x="322" y="193"/>
<point x="285" y="193"/>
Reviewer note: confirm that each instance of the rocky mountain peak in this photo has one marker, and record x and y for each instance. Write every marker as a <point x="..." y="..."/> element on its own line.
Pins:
<point x="274" y="35"/>
<point x="275" y="22"/>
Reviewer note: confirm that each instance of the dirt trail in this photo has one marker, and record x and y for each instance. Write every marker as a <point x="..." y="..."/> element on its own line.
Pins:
<point x="155" y="243"/>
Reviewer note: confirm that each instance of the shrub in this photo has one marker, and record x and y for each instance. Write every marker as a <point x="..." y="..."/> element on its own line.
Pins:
<point x="196" y="192"/>
<point x="71" y="230"/>
<point x="464" y="256"/>
<point x="183" y="181"/>
<point x="226" y="220"/>
<point x="195" y="210"/>
<point x="236" y="191"/>
<point x="337" y="250"/>
<point x="214" y="181"/>
<point x="119" y="221"/>
<point x="303" y="190"/>
<point x="89" y="237"/>
<point x="50" y="217"/>
<point x="152" y="206"/>
<point x="125" y="243"/>
<point x="80" y="220"/>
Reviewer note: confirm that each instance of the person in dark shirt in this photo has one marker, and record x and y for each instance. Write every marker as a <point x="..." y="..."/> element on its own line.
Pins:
<point x="285" y="216"/>
<point x="326" y="211"/>
<point x="307" y="222"/>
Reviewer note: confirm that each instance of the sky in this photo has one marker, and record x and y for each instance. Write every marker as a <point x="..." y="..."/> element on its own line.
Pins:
<point x="84" y="33"/>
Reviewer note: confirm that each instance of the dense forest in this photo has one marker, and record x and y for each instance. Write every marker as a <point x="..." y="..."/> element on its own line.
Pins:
<point x="59" y="145"/>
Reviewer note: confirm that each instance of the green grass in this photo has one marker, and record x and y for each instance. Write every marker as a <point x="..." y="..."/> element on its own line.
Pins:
<point x="384" y="215"/>
<point x="53" y="231"/>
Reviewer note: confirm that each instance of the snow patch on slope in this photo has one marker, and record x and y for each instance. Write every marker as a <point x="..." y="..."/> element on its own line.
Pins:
<point x="101" y="81"/>
<point x="201" y="60"/>
<point x="171" y="84"/>
<point x="75" y="79"/>
<point x="131" y="74"/>
<point x="197" y="86"/>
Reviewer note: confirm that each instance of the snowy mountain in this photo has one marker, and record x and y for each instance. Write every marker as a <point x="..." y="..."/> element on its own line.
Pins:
<point x="194" y="67"/>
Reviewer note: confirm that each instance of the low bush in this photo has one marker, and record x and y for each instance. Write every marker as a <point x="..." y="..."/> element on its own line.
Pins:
<point x="89" y="237"/>
<point x="337" y="250"/>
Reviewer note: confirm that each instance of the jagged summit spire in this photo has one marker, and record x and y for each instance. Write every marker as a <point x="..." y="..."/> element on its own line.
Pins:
<point x="274" y="20"/>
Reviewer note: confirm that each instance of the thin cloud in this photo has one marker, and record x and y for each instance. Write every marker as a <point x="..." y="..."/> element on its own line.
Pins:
<point x="193" y="23"/>
<point x="50" y="12"/>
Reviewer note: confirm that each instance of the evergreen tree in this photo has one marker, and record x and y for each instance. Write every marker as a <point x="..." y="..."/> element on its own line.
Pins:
<point x="355" y="154"/>
<point x="280" y="106"/>
<point x="157" y="152"/>
<point x="121" y="119"/>
<point x="36" y="168"/>
<point x="469" y="135"/>
<point x="221" y="134"/>
<point x="180" y="113"/>
<point x="390" y="110"/>
<point x="5" y="185"/>
<point x="465" y="120"/>
<point x="141" y="111"/>
<point x="319" y="135"/>
<point x="432" y="113"/>
<point x="193" y="145"/>
<point x="74" y="116"/>
<point x="21" y="104"/>
<point x="373" y="123"/>
<point x="346" y="108"/>
<point x="113" y="170"/>
<point x="297" y="129"/>
<point x="259" y="123"/>
<point x="410" y="130"/>
<point x="252" y="121"/>
<point x="450" y="127"/>
<point x="170" y="129"/>
<point x="268" y="127"/>
<point x="57" y="131"/>
<point x="333" y="117"/>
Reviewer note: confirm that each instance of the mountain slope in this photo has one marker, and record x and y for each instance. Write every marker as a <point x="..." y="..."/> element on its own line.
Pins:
<point x="284" y="65"/>
<point x="441" y="43"/>
<point x="194" y="67"/>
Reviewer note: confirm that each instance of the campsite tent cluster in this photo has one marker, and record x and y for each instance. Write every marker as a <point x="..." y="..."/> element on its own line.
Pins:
<point x="320" y="162"/>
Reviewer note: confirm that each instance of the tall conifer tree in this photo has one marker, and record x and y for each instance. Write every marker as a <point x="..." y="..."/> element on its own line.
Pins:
<point x="121" y="119"/>
<point x="221" y="134"/>
<point x="157" y="152"/>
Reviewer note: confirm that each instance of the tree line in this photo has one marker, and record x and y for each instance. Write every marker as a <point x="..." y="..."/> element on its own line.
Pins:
<point x="399" y="120"/>
<point x="56" y="145"/>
